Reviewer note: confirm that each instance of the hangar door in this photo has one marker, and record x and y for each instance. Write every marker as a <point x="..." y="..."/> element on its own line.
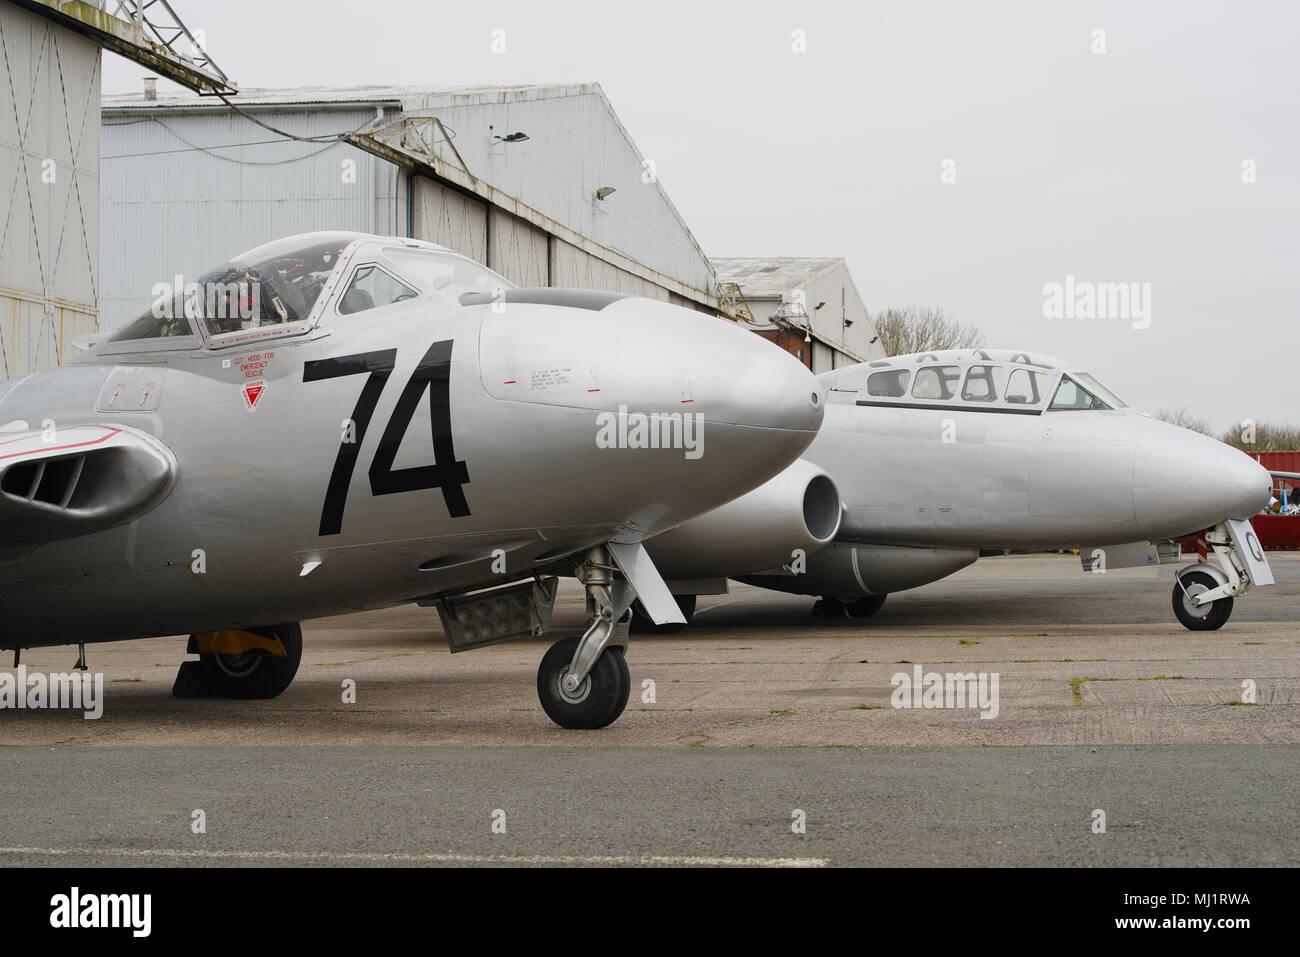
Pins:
<point x="571" y="267"/>
<point x="517" y="249"/>
<point x="450" y="219"/>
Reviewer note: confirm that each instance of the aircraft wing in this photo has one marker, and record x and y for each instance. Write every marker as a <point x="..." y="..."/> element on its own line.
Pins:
<point x="60" y="483"/>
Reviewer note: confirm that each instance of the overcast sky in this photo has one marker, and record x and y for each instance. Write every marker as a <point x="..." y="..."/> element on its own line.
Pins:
<point x="1122" y="166"/>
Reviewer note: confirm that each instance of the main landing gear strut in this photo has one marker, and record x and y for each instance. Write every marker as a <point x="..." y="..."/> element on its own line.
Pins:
<point x="583" y="682"/>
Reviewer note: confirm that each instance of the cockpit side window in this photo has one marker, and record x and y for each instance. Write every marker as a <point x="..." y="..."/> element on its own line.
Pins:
<point x="1099" y="390"/>
<point x="936" y="382"/>
<point x="165" y="319"/>
<point x="372" y="287"/>
<point x="983" y="383"/>
<point x="1024" y="387"/>
<point x="1072" y="397"/>
<point x="891" y="383"/>
<point x="450" y="275"/>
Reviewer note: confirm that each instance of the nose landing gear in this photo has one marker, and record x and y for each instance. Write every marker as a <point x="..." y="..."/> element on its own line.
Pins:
<point x="1203" y="593"/>
<point x="584" y="682"/>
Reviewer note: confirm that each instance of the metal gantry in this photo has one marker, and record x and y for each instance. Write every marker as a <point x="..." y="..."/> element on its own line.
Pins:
<point x="147" y="31"/>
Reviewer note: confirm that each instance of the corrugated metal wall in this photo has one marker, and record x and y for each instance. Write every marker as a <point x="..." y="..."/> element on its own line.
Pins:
<point x="193" y="189"/>
<point x="49" y="178"/>
<point x="576" y="145"/>
<point x="194" y="186"/>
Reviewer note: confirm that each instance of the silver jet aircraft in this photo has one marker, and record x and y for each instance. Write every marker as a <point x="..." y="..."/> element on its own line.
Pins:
<point x="939" y="456"/>
<point x="337" y="421"/>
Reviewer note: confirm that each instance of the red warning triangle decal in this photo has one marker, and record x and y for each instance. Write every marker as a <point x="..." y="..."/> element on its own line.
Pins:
<point x="253" y="392"/>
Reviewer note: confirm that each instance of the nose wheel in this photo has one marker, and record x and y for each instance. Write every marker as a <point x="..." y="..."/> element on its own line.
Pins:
<point x="598" y="699"/>
<point x="1199" y="617"/>
<point x="583" y="682"/>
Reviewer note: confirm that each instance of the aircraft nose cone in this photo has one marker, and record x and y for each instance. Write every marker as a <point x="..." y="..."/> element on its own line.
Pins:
<point x="679" y="412"/>
<point x="1185" y="481"/>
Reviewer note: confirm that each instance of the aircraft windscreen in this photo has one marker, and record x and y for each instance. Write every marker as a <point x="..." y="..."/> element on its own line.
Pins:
<point x="271" y="285"/>
<point x="451" y="275"/>
<point x="1073" y="397"/>
<point x="1100" y="390"/>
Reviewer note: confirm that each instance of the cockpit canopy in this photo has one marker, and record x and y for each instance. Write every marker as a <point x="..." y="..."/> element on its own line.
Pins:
<point x="990" y="380"/>
<point x="284" y="287"/>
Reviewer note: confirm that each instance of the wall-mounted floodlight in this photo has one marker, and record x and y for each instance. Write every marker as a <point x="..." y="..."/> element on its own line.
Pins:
<point x="516" y="137"/>
<point x="604" y="191"/>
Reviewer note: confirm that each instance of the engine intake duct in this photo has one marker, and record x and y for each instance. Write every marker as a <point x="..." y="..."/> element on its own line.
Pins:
<point x="796" y="510"/>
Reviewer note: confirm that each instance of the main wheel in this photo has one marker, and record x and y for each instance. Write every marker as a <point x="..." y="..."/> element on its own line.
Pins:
<point x="832" y="606"/>
<point x="1199" y="617"/>
<point x="644" y="624"/>
<point x="254" y="674"/>
<point x="600" y="698"/>
<point x="866" y="606"/>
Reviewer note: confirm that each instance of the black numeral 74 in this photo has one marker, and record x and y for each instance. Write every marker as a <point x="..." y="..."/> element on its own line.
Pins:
<point x="433" y="373"/>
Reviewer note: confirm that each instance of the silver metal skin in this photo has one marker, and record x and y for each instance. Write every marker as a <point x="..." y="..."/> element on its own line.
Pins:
<point x="516" y="482"/>
<point x="929" y="481"/>
<point x="997" y="475"/>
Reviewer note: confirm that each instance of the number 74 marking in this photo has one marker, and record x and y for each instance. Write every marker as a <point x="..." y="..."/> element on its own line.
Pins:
<point x="433" y="373"/>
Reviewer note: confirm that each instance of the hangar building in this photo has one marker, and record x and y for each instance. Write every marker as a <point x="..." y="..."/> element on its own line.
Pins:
<point x="808" y="306"/>
<point x="50" y="158"/>
<point x="542" y="183"/>
<point x="49" y="175"/>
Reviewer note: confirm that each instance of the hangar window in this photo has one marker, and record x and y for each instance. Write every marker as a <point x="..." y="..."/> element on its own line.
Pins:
<point x="1072" y="397"/>
<point x="891" y="383"/>
<point x="936" y="382"/>
<point x="1024" y="387"/>
<point x="372" y="287"/>
<point x="983" y="383"/>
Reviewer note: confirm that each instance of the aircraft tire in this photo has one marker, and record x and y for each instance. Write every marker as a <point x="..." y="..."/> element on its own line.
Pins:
<point x="642" y="623"/>
<point x="866" y="606"/>
<point x="601" y="697"/>
<point x="832" y="606"/>
<point x="1199" y="619"/>
<point x="254" y="674"/>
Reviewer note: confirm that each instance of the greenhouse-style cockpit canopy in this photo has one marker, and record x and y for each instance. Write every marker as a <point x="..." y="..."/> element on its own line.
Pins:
<point x="286" y="287"/>
<point x="977" y="380"/>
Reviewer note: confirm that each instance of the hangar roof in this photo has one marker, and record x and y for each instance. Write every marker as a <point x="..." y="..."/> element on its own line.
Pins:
<point x="408" y="96"/>
<point x="772" y="276"/>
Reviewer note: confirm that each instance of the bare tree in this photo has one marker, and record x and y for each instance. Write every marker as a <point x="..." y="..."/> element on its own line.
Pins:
<point x="1262" y="437"/>
<point x="1184" y="418"/>
<point x="923" y="329"/>
<point x="1249" y="436"/>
